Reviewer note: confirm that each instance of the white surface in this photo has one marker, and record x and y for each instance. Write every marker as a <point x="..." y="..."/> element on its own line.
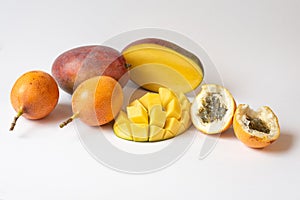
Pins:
<point x="255" y="46"/>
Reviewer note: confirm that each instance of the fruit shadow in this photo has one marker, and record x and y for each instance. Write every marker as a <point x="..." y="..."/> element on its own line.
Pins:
<point x="282" y="145"/>
<point x="228" y="135"/>
<point x="61" y="112"/>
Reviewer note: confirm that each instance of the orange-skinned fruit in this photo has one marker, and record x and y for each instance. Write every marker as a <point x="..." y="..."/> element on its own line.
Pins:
<point x="34" y="95"/>
<point x="96" y="101"/>
<point x="256" y="129"/>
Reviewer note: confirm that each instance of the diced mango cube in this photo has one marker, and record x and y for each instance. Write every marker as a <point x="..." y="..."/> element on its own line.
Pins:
<point x="139" y="132"/>
<point x="181" y="128"/>
<point x="122" y="126"/>
<point x="182" y="97"/>
<point x="174" y="109"/>
<point x="137" y="114"/>
<point x="149" y="100"/>
<point x="185" y="105"/>
<point x="172" y="125"/>
<point x="165" y="95"/>
<point x="186" y="119"/>
<point x="156" y="133"/>
<point x="122" y="117"/>
<point x="168" y="134"/>
<point x="136" y="103"/>
<point x="123" y="131"/>
<point x="157" y="116"/>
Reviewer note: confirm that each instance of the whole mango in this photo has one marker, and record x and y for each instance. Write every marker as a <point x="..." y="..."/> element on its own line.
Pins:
<point x="79" y="64"/>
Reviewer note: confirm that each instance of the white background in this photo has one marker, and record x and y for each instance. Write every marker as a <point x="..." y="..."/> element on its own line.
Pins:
<point x="255" y="46"/>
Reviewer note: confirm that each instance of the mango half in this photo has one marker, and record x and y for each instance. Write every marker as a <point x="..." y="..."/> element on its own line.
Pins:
<point x="154" y="117"/>
<point x="159" y="63"/>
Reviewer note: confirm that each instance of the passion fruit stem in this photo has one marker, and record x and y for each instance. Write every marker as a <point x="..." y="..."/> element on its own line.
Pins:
<point x="63" y="124"/>
<point x="13" y="124"/>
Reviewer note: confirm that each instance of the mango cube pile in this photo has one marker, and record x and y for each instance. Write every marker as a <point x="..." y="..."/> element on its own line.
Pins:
<point x="154" y="117"/>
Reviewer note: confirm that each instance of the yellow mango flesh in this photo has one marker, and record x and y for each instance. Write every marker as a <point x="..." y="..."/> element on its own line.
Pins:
<point x="148" y="120"/>
<point x="182" y="97"/>
<point x="156" y="133"/>
<point x="168" y="134"/>
<point x="181" y="129"/>
<point x="123" y="131"/>
<point x="185" y="119"/>
<point x="162" y="66"/>
<point x="172" y="125"/>
<point x="185" y="105"/>
<point x="173" y="109"/>
<point x="157" y="116"/>
<point x="139" y="132"/>
<point x="150" y="99"/>
<point x="122" y="117"/>
<point x="166" y="96"/>
<point x="137" y="114"/>
<point x="122" y="126"/>
<point x="137" y="103"/>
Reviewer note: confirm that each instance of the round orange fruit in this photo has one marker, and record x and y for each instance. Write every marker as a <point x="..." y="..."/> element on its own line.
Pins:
<point x="212" y="110"/>
<point x="34" y="95"/>
<point x="256" y="129"/>
<point x="96" y="101"/>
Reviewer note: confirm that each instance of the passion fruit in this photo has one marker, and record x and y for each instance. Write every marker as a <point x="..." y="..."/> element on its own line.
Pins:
<point x="212" y="110"/>
<point x="256" y="129"/>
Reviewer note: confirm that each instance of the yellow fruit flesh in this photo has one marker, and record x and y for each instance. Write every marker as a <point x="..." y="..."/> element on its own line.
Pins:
<point x="185" y="119"/>
<point x="181" y="129"/>
<point x="137" y="114"/>
<point x="136" y="103"/>
<point x="122" y="128"/>
<point x="122" y="117"/>
<point x="139" y="132"/>
<point x="149" y="100"/>
<point x="172" y="125"/>
<point x="157" y="116"/>
<point x="156" y="133"/>
<point x="173" y="109"/>
<point x="166" y="96"/>
<point x="153" y="76"/>
<point x="162" y="66"/>
<point x="185" y="105"/>
<point x="161" y="124"/>
<point x="168" y="134"/>
<point x="182" y="97"/>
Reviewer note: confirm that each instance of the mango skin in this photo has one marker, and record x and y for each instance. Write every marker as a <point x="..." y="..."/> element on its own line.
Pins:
<point x="79" y="64"/>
